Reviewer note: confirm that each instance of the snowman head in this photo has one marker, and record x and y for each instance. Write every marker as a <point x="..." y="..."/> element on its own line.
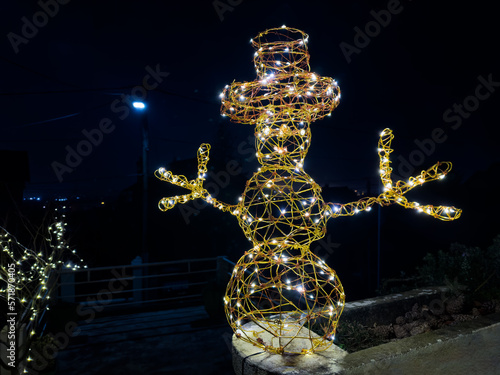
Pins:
<point x="284" y="99"/>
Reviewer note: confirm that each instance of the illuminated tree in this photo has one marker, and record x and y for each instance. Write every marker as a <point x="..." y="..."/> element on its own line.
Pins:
<point x="28" y="278"/>
<point x="279" y="284"/>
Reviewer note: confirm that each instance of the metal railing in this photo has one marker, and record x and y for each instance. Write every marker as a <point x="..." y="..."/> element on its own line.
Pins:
<point x="141" y="283"/>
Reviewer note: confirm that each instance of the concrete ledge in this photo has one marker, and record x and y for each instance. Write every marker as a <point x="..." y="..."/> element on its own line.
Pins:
<point x="385" y="309"/>
<point x="251" y="360"/>
<point x="471" y="347"/>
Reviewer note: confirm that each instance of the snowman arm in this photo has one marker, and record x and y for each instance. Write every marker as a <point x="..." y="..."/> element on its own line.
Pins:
<point x="387" y="198"/>
<point x="393" y="193"/>
<point x="225" y="207"/>
<point x="349" y="209"/>
<point x="196" y="185"/>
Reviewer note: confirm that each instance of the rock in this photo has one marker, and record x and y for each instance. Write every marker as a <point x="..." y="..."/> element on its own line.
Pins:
<point x="411" y="316"/>
<point x="455" y="305"/>
<point x="400" y="332"/>
<point x="432" y="321"/>
<point x="463" y="317"/>
<point x="411" y="325"/>
<point x="417" y="330"/>
<point x="383" y="331"/>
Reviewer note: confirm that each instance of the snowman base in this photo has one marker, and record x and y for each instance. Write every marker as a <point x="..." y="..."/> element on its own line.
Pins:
<point x="250" y="359"/>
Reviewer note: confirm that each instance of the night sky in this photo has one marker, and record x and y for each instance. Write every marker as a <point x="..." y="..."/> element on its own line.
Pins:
<point x="73" y="72"/>
<point x="428" y="70"/>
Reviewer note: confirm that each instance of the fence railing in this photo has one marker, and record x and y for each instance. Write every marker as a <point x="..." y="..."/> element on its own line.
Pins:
<point x="141" y="283"/>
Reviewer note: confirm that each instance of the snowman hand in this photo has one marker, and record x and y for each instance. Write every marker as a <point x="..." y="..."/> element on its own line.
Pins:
<point x="394" y="192"/>
<point x="196" y="185"/>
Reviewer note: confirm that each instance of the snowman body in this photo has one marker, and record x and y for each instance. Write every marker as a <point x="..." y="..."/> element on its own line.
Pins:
<point x="279" y="285"/>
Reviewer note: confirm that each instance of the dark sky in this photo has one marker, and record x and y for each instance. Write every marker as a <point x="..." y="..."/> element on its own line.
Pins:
<point x="66" y="74"/>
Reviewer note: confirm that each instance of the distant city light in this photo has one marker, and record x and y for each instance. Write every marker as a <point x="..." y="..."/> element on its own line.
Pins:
<point x="139" y="105"/>
<point x="32" y="198"/>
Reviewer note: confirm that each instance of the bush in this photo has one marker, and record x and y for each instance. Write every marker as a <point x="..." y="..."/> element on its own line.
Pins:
<point x="474" y="270"/>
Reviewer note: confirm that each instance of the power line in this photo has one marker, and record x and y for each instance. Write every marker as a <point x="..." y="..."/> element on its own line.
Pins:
<point x="49" y="120"/>
<point x="59" y="117"/>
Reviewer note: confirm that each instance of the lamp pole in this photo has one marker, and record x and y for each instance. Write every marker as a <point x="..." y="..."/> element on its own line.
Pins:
<point x="379" y="210"/>
<point x="141" y="106"/>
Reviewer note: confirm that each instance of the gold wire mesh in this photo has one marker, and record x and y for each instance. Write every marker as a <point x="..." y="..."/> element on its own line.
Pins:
<point x="280" y="285"/>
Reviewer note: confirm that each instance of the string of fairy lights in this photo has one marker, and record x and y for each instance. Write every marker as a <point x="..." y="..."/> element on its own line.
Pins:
<point x="35" y="271"/>
<point x="292" y="296"/>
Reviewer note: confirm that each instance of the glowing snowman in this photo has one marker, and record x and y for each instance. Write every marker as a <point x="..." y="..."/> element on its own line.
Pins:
<point x="281" y="297"/>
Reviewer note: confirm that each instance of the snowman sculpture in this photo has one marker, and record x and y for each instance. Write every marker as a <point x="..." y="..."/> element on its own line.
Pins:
<point x="281" y="297"/>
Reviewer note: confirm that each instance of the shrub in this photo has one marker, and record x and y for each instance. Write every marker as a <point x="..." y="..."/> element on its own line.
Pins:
<point x="474" y="270"/>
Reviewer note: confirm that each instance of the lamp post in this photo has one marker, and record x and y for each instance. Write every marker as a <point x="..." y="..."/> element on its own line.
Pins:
<point x="141" y="107"/>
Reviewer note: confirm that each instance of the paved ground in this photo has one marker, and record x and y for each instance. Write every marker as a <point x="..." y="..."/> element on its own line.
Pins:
<point x="468" y="348"/>
<point x="186" y="341"/>
<point x="173" y="342"/>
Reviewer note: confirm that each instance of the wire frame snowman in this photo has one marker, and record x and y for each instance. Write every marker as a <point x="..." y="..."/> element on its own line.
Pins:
<point x="281" y="297"/>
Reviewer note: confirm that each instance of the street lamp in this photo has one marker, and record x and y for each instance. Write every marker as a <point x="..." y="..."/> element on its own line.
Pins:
<point x="141" y="106"/>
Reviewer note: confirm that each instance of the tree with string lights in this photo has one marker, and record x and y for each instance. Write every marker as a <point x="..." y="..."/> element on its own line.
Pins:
<point x="28" y="281"/>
